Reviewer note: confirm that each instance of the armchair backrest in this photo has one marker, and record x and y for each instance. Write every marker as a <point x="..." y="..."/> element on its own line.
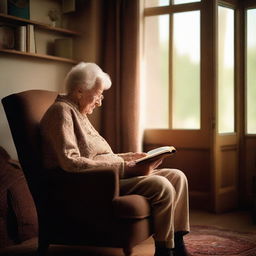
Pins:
<point x="24" y="112"/>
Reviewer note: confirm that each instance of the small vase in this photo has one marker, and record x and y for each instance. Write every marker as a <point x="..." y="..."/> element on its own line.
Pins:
<point x="53" y="24"/>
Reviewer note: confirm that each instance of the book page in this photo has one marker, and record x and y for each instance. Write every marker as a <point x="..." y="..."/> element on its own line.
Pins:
<point x="157" y="152"/>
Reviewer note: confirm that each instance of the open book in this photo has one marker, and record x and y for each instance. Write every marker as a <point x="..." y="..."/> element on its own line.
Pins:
<point x="167" y="150"/>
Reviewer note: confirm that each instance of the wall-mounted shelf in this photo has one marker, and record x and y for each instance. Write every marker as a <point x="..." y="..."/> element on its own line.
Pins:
<point x="16" y="21"/>
<point x="36" y="55"/>
<point x="20" y="21"/>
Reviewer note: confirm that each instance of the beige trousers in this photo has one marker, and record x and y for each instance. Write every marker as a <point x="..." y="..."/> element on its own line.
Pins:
<point x="167" y="192"/>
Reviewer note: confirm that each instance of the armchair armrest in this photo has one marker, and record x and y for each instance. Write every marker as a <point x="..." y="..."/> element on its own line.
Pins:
<point x="87" y="193"/>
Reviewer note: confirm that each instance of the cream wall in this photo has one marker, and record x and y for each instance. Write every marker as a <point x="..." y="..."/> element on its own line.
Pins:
<point x="18" y="73"/>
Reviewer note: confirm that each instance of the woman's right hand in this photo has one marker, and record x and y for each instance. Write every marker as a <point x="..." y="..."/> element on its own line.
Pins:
<point x="141" y="169"/>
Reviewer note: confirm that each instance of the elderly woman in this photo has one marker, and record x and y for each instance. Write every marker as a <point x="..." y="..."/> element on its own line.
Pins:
<point x="72" y="143"/>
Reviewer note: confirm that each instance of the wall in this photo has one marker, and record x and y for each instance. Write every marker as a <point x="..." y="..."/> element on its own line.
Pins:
<point x="18" y="74"/>
<point x="24" y="73"/>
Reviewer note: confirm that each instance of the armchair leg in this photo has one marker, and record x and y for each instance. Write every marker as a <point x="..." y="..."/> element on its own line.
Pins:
<point x="42" y="248"/>
<point x="127" y="251"/>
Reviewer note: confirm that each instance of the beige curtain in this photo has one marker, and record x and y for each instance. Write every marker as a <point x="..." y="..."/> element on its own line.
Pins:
<point x="120" y="51"/>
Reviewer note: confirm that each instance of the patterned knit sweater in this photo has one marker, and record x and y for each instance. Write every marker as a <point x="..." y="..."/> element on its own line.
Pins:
<point x="70" y="141"/>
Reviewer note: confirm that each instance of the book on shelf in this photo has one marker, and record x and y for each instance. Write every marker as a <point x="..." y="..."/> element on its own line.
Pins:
<point x="3" y="6"/>
<point x="21" y="38"/>
<point x="30" y="39"/>
<point x="165" y="151"/>
<point x="6" y="37"/>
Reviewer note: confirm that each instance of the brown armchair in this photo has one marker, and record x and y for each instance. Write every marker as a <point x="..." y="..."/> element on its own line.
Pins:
<point x="73" y="208"/>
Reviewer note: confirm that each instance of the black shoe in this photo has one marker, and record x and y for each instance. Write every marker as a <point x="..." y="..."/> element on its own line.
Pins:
<point x="163" y="251"/>
<point x="180" y="248"/>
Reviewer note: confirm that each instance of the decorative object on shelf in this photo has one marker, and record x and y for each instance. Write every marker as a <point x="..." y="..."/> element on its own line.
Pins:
<point x="68" y="6"/>
<point x="18" y="8"/>
<point x="3" y="6"/>
<point x="30" y="41"/>
<point x="6" y="37"/>
<point x="54" y="16"/>
<point x="63" y="47"/>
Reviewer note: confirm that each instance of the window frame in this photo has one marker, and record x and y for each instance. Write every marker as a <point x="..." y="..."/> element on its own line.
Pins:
<point x="189" y="138"/>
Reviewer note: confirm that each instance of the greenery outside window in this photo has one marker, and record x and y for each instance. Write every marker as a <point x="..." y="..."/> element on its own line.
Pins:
<point x="172" y="70"/>
<point x="226" y="65"/>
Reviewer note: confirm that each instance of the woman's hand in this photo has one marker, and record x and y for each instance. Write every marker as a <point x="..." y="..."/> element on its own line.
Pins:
<point x="131" y="156"/>
<point x="141" y="169"/>
<point x="137" y="155"/>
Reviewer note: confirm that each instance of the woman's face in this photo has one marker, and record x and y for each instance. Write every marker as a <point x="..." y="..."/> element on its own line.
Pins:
<point x="90" y="99"/>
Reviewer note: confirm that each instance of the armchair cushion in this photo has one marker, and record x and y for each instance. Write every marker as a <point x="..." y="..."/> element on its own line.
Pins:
<point x="131" y="207"/>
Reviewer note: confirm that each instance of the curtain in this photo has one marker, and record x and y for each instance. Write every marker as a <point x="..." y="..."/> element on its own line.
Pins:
<point x="120" y="49"/>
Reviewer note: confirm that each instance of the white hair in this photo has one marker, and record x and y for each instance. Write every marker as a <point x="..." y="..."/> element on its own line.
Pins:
<point x="85" y="75"/>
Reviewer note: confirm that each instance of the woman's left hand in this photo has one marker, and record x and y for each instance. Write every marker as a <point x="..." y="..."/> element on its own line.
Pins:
<point x="137" y="155"/>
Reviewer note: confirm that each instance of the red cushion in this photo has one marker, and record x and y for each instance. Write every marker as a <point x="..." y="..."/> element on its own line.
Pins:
<point x="18" y="218"/>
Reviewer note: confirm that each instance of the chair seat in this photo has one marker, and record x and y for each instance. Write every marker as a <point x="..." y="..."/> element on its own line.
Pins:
<point x="131" y="207"/>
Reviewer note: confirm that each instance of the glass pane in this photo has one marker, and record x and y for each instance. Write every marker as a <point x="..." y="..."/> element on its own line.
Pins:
<point x="226" y="107"/>
<point x="186" y="70"/>
<point x="251" y="74"/>
<point x="185" y="1"/>
<point x="156" y="3"/>
<point x="155" y="92"/>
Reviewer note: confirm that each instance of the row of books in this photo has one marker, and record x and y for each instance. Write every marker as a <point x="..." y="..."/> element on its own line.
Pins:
<point x="25" y="39"/>
<point x="21" y="38"/>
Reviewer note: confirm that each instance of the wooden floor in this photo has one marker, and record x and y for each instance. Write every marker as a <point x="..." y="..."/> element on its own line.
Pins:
<point x="236" y="221"/>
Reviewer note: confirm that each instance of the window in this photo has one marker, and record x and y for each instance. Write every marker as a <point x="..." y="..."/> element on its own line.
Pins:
<point x="158" y="3"/>
<point x="250" y="72"/>
<point x="172" y="70"/>
<point x="226" y="85"/>
<point x="185" y="1"/>
<point x="157" y="71"/>
<point x="186" y="71"/>
<point x="155" y="3"/>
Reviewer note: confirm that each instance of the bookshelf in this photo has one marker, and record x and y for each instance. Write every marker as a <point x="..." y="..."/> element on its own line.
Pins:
<point x="16" y="21"/>
<point x="37" y="55"/>
<point x="20" y="21"/>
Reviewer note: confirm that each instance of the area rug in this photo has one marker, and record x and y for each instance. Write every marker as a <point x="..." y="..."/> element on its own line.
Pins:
<point x="208" y="240"/>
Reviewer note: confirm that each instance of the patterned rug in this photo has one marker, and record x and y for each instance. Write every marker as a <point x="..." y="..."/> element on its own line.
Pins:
<point x="205" y="240"/>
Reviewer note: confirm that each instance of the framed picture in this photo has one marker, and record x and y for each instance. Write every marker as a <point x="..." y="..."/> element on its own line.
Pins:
<point x="18" y="8"/>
